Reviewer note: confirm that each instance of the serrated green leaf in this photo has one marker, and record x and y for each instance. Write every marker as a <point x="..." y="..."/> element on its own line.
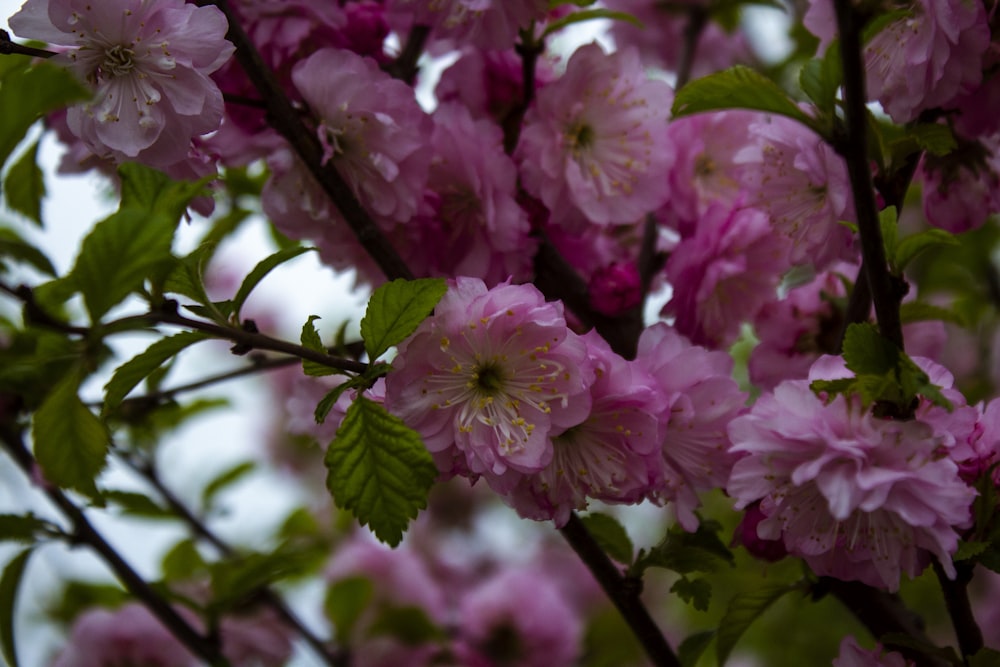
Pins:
<point x="264" y="267"/>
<point x="921" y="311"/>
<point x="345" y="601"/>
<point x="589" y="15"/>
<point x="327" y="402"/>
<point x="24" y="186"/>
<point x="611" y="536"/>
<point x="236" y="579"/>
<point x="867" y="352"/>
<point x="127" y="376"/>
<point x="738" y="87"/>
<point x="21" y="528"/>
<point x="379" y="470"/>
<point x="693" y="646"/>
<point x="684" y="552"/>
<point x="912" y="246"/>
<point x="743" y="610"/>
<point x="137" y="504"/>
<point x="14" y="247"/>
<point x="833" y="387"/>
<point x="310" y="339"/>
<point x="10" y="581"/>
<point x="985" y="657"/>
<point x="225" y="479"/>
<point x="934" y="138"/>
<point x="396" y="309"/>
<point x="696" y="592"/>
<point x="152" y="191"/>
<point x="71" y="443"/>
<point x="409" y="625"/>
<point x="969" y="550"/>
<point x="28" y="91"/>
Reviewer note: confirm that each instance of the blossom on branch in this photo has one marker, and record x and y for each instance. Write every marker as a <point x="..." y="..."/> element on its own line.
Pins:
<point x="148" y="64"/>
<point x="595" y="143"/>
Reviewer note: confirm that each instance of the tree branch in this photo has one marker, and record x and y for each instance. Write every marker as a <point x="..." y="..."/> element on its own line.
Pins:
<point x="85" y="533"/>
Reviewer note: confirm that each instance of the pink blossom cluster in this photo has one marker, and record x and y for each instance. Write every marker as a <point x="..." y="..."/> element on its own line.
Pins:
<point x="501" y="389"/>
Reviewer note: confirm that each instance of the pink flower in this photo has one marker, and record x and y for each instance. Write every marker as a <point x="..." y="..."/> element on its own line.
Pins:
<point x="701" y="398"/>
<point x="487" y="24"/>
<point x="474" y="226"/>
<point x="661" y="38"/>
<point x="961" y="191"/>
<point x="489" y="83"/>
<point x="802" y="184"/>
<point x="852" y="655"/>
<point x="490" y="377"/>
<point x="518" y="617"/>
<point x="615" y="289"/>
<point x="857" y="497"/>
<point x="922" y="60"/>
<point x="130" y="635"/>
<point x="724" y="273"/>
<point x="612" y="456"/>
<point x="148" y="63"/>
<point x="595" y="141"/>
<point x="704" y="170"/>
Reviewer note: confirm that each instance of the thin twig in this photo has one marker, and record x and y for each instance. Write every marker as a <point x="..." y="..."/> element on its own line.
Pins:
<point x="956" y="598"/>
<point x="697" y="19"/>
<point x="85" y="533"/>
<point x="8" y="47"/>
<point x="405" y="67"/>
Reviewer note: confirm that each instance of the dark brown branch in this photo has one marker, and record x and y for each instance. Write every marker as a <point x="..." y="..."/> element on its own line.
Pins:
<point x="9" y="47"/>
<point x="404" y="67"/>
<point x="885" y="294"/>
<point x="697" y="19"/>
<point x="85" y="533"/>
<point x="287" y="121"/>
<point x="956" y="598"/>
<point x="624" y="593"/>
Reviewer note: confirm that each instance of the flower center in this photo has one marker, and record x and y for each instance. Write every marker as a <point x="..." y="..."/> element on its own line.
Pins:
<point x="488" y="379"/>
<point x="581" y="137"/>
<point x="118" y="60"/>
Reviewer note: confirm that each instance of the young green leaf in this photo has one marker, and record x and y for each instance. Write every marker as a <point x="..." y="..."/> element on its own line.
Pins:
<point x="29" y="91"/>
<point x="684" y="552"/>
<point x="379" y="469"/>
<point x="136" y="504"/>
<point x="21" y="528"/>
<point x="890" y="233"/>
<point x="396" y="309"/>
<point x="225" y="479"/>
<point x="24" y="186"/>
<point x="935" y="138"/>
<point x="589" y="15"/>
<point x="258" y="273"/>
<point x="310" y="338"/>
<point x="820" y="79"/>
<point x="16" y="248"/>
<point x="910" y="247"/>
<point x="738" y="87"/>
<point x="410" y="625"/>
<point x="867" y="352"/>
<point x="71" y="443"/>
<point x="696" y="592"/>
<point x="183" y="562"/>
<point x="743" y="610"/>
<point x="127" y="376"/>
<point x="921" y="311"/>
<point x="331" y="397"/>
<point x="345" y="601"/>
<point x="691" y="649"/>
<point x="10" y="581"/>
<point x="611" y="536"/>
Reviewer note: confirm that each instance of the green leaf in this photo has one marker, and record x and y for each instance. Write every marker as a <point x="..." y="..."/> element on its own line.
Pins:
<point x="137" y="504"/>
<point x="310" y="338"/>
<point x="696" y="592"/>
<point x="225" y="479"/>
<point x="820" y="79"/>
<point x="912" y="246"/>
<point x="921" y="311"/>
<point x="867" y="352"/>
<point x="693" y="646"/>
<point x="71" y="443"/>
<point x="183" y="562"/>
<point x="684" y="552"/>
<point x="611" y="536"/>
<point x="396" y="309"/>
<point x="27" y="92"/>
<point x="410" y="625"/>
<point x="738" y="87"/>
<point x="127" y="376"/>
<point x="236" y="579"/>
<point x="935" y="138"/>
<point x="345" y="601"/>
<point x="133" y="244"/>
<point x="743" y="610"/>
<point x="21" y="528"/>
<point x="10" y="581"/>
<point x="969" y="550"/>
<point x="264" y="267"/>
<point x="890" y="233"/>
<point x="13" y="246"/>
<point x="379" y="469"/>
<point x="79" y="596"/>
<point x="985" y="657"/>
<point x="24" y="186"/>
<point x="589" y="15"/>
<point x="327" y="402"/>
